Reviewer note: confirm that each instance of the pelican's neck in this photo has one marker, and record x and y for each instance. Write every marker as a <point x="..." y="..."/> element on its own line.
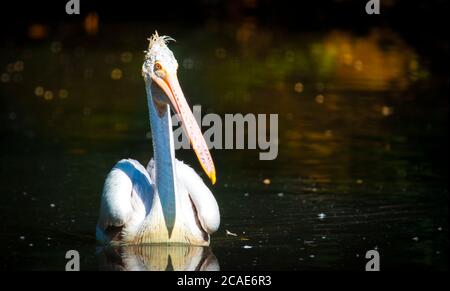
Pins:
<point x="164" y="157"/>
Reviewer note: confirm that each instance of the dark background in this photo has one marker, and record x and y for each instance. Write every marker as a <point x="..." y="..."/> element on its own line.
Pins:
<point x="423" y="23"/>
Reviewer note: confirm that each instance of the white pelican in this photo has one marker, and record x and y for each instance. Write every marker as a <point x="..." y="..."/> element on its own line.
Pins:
<point x="167" y="202"/>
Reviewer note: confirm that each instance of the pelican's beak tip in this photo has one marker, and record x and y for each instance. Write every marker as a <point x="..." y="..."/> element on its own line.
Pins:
<point x="212" y="176"/>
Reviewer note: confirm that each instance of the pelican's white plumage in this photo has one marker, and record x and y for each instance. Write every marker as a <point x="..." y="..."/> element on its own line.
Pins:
<point x="129" y="204"/>
<point x="167" y="202"/>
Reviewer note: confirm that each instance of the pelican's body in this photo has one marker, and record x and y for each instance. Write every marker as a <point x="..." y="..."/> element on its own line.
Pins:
<point x="167" y="202"/>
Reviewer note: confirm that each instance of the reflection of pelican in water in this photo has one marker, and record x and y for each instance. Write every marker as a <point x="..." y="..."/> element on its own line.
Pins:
<point x="158" y="258"/>
<point x="167" y="202"/>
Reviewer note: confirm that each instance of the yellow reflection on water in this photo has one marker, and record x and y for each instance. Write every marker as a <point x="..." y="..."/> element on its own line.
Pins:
<point x="378" y="61"/>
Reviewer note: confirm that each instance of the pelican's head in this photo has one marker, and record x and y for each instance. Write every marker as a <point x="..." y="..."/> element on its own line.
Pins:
<point x="159" y="59"/>
<point x="160" y="72"/>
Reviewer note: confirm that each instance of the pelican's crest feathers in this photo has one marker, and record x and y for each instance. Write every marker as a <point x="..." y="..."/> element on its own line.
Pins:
<point x="158" y="51"/>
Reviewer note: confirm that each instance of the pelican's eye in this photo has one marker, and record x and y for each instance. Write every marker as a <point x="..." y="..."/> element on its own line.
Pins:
<point x="158" y="69"/>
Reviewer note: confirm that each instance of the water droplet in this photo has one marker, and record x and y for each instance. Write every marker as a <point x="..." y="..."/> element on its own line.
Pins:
<point x="63" y="93"/>
<point x="116" y="74"/>
<point x="18" y="66"/>
<point x="298" y="87"/>
<point x="386" y="110"/>
<point x="320" y="99"/>
<point x="39" y="91"/>
<point x="56" y="47"/>
<point x="5" y="78"/>
<point x="188" y="64"/>
<point x="126" y="57"/>
<point x="48" y="95"/>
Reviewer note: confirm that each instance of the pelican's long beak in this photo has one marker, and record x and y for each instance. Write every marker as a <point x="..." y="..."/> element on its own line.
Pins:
<point x="171" y="87"/>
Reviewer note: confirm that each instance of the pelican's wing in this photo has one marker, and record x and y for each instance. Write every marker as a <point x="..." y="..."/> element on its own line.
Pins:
<point x="204" y="201"/>
<point x="126" y="199"/>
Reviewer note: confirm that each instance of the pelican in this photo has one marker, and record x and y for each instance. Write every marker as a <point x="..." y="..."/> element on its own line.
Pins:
<point x="167" y="202"/>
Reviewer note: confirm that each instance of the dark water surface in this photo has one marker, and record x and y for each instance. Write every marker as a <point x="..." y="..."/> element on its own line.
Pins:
<point x="362" y="158"/>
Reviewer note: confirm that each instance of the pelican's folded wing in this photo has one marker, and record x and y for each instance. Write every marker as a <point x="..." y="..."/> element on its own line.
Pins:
<point x="125" y="199"/>
<point x="203" y="199"/>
